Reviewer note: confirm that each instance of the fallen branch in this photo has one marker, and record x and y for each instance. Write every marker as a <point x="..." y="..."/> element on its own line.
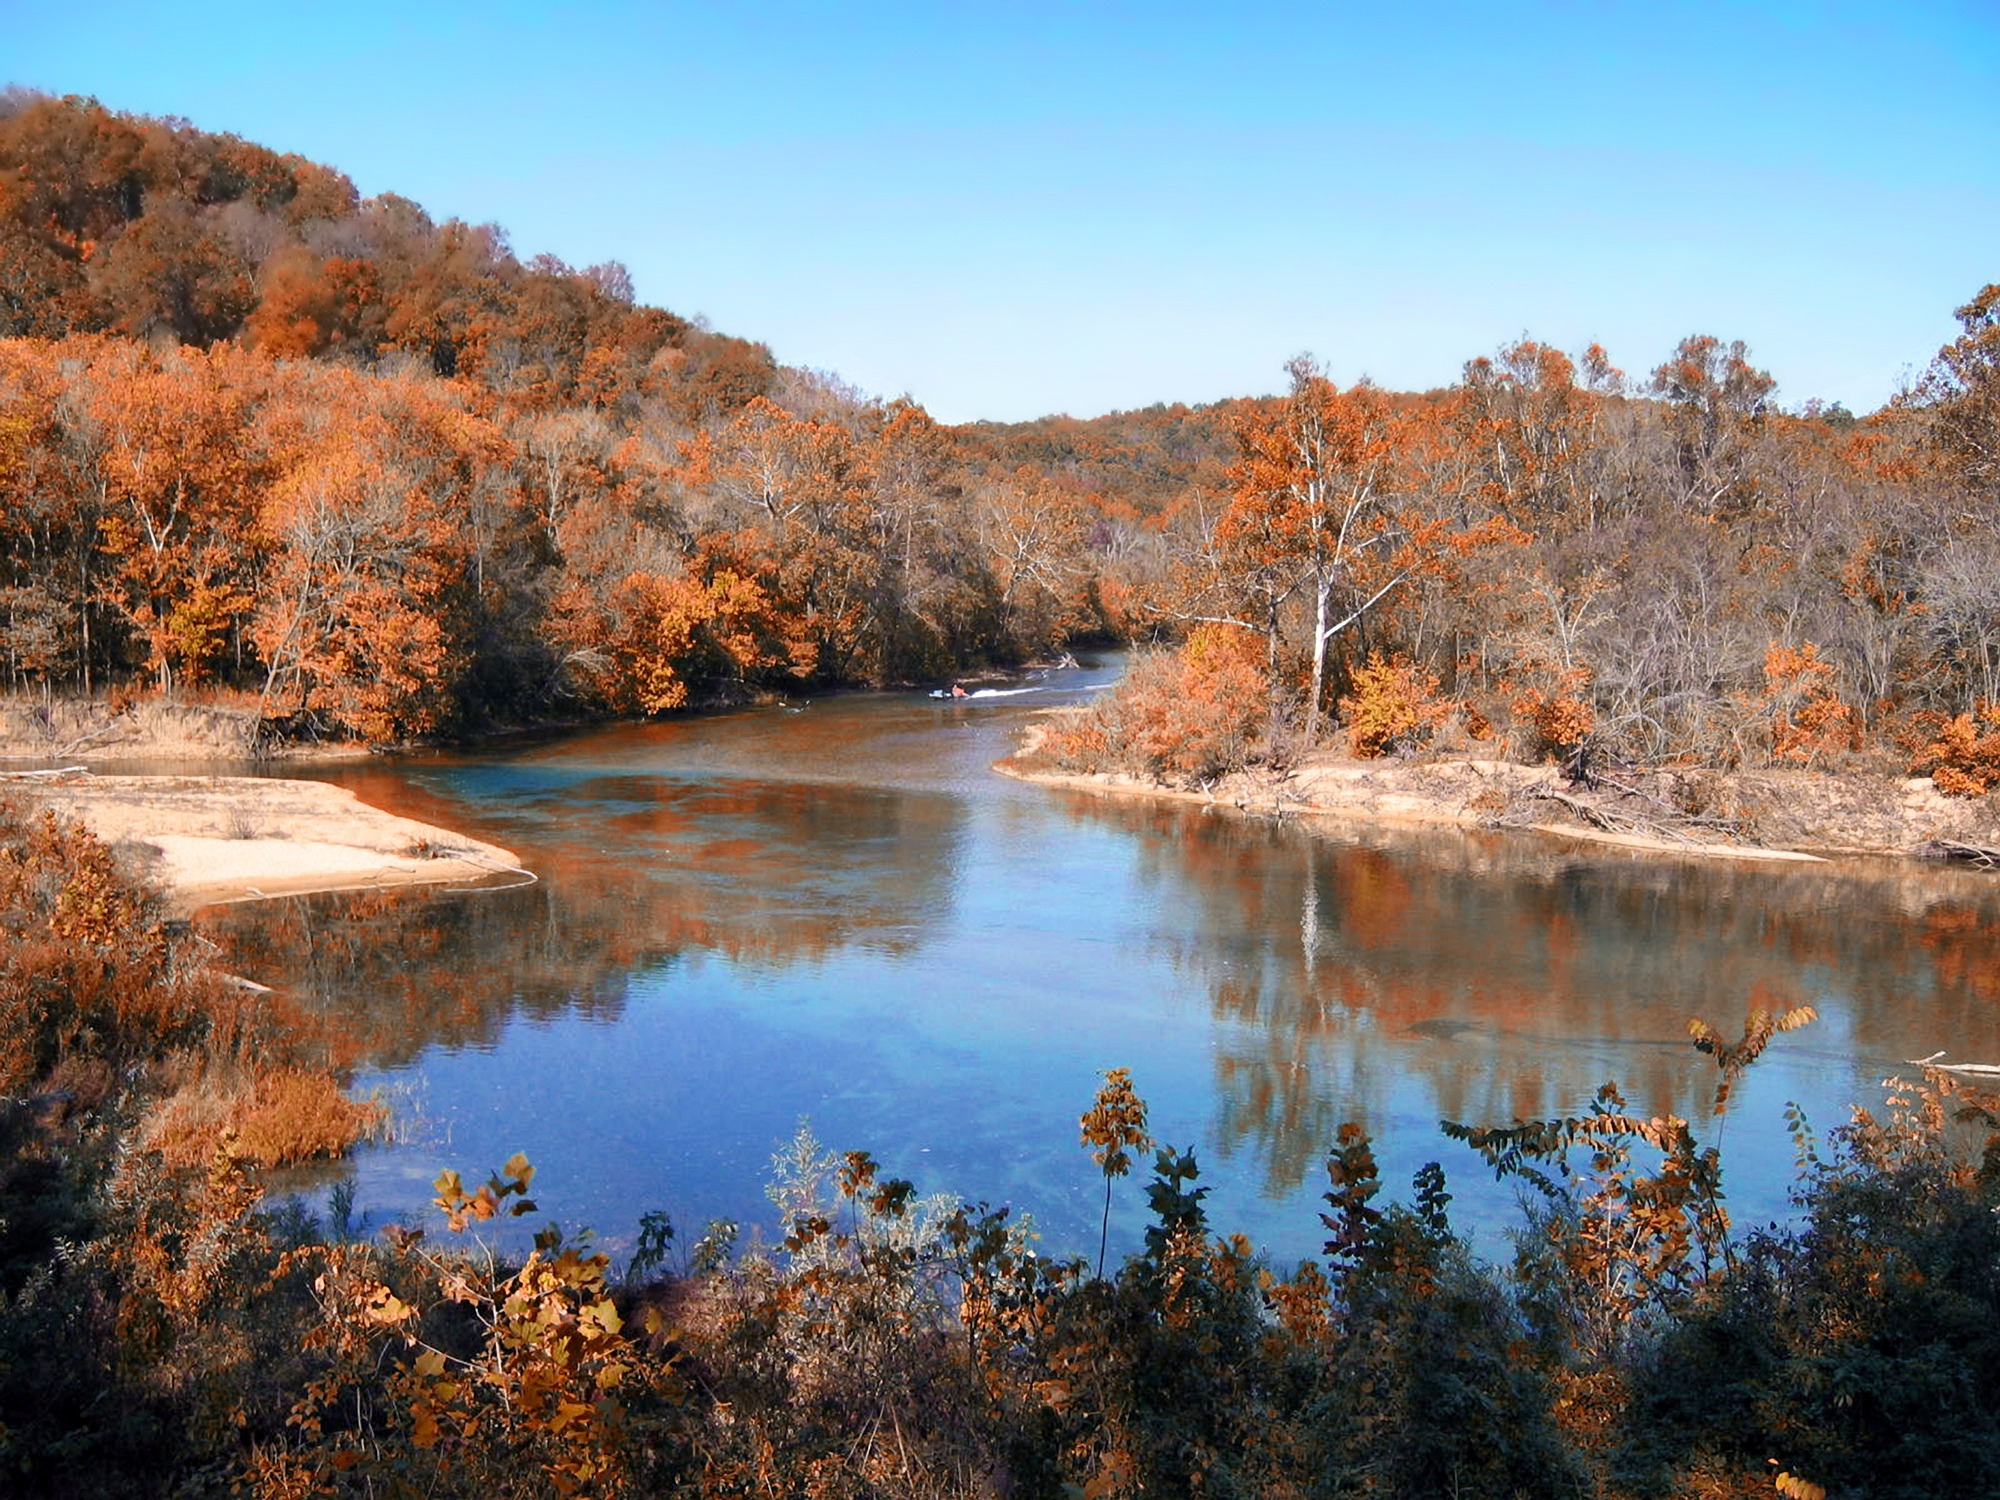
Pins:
<point x="1616" y="822"/>
<point x="1732" y="827"/>
<point x="1969" y="1070"/>
<point x="84" y="739"/>
<point x="1980" y="855"/>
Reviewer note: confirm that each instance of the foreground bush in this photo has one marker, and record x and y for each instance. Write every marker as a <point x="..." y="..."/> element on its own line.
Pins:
<point x="1964" y="759"/>
<point x="144" y="1332"/>
<point x="890" y="1346"/>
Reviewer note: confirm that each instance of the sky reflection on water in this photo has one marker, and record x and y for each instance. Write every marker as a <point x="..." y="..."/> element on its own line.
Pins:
<point x="842" y="913"/>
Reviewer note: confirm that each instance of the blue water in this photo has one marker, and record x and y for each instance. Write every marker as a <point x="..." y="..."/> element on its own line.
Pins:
<point x="839" y="913"/>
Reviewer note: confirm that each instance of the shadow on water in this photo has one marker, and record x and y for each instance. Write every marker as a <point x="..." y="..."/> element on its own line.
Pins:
<point x="842" y="913"/>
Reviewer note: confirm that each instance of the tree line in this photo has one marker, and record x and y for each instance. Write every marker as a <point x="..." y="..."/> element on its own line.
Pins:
<point x="383" y="479"/>
<point x="394" y="555"/>
<point x="1570" y="562"/>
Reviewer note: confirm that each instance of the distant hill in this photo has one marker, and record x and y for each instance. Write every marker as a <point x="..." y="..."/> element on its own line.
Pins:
<point x="152" y="228"/>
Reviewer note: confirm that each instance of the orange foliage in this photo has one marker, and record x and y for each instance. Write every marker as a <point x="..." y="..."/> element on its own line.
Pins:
<point x="1528" y="427"/>
<point x="1315" y="511"/>
<point x="1965" y="756"/>
<point x="1394" y="706"/>
<point x="298" y="1115"/>
<point x="84" y="968"/>
<point x="652" y="636"/>
<point x="1807" y="717"/>
<point x="1558" y="716"/>
<point x="309" y="306"/>
<point x="1187" y="715"/>
<point x="276" y="1119"/>
<point x="660" y="616"/>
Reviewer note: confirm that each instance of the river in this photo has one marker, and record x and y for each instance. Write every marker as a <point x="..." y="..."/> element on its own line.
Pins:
<point x="838" y="913"/>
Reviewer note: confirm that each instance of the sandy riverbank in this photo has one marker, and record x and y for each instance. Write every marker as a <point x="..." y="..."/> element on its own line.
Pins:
<point x="211" y="839"/>
<point x="1793" y="815"/>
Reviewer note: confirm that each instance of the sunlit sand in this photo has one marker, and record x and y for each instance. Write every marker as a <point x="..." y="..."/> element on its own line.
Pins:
<point x="210" y="839"/>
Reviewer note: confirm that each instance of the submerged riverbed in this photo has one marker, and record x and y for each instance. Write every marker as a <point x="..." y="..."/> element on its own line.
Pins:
<point x="838" y="912"/>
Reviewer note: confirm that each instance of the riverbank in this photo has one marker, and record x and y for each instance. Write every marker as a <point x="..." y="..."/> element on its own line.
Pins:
<point x="58" y="730"/>
<point x="1794" y="815"/>
<point x="213" y="839"/>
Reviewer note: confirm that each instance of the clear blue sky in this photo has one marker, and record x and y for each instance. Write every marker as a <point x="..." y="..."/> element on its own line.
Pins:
<point x="1011" y="210"/>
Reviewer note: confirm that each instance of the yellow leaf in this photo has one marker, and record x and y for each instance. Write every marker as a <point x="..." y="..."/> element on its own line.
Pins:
<point x="384" y="1306"/>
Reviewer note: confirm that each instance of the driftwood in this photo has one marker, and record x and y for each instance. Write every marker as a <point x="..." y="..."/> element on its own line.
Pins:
<point x="1968" y="1070"/>
<point x="1672" y="825"/>
<point x="1983" y="856"/>
<point x="1591" y="813"/>
<point x="1733" y="828"/>
<point x="96" y="734"/>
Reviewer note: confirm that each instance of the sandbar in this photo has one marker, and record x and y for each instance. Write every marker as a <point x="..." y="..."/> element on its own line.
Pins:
<point x="213" y="839"/>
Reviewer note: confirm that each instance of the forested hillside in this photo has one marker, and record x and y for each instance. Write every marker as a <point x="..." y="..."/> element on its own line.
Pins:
<point x="1562" y="560"/>
<point x="258" y="432"/>
<point x="380" y="478"/>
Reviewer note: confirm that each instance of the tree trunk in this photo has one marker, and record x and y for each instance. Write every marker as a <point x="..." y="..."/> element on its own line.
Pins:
<point x="1322" y="596"/>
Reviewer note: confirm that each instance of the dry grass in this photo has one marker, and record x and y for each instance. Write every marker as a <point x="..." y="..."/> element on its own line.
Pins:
<point x="33" y="727"/>
<point x="285" y="1117"/>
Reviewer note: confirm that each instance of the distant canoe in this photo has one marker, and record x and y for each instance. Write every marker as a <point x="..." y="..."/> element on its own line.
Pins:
<point x="981" y="694"/>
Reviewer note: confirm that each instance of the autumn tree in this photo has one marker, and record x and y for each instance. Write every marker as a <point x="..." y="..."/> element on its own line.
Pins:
<point x="1528" y="427"/>
<point x="1716" y="400"/>
<point x="181" y="485"/>
<point x="1313" y="509"/>
<point x="1033" y="531"/>
<point x="932" y="592"/>
<point x="172" y="272"/>
<point x="804" y="486"/>
<point x="1961" y="393"/>
<point x="362" y="614"/>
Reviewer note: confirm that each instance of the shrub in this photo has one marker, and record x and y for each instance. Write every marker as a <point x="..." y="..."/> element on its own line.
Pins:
<point x="1964" y="761"/>
<point x="1394" y="706"/>
<point x="86" y="966"/>
<point x="1808" y="719"/>
<point x="283" y="1117"/>
<point x="1857" y="1350"/>
<point x="1184" y="716"/>
<point x="1557" y="716"/>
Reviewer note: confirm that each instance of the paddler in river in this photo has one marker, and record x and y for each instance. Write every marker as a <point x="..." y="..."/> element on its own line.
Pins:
<point x="958" y="690"/>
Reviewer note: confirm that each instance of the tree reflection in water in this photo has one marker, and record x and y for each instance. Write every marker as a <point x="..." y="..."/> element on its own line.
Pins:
<point x="765" y="875"/>
<point x="844" y="913"/>
<point x="1513" y="974"/>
